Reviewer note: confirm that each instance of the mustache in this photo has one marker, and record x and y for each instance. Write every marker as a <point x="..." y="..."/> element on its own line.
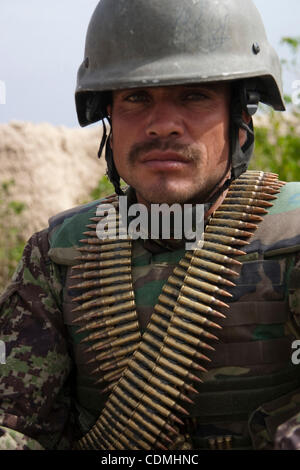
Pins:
<point x="138" y="149"/>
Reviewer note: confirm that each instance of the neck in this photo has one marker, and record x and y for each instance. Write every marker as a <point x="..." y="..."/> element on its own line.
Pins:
<point x="210" y="197"/>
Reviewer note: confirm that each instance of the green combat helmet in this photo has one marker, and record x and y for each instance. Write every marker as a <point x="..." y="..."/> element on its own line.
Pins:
<point x="140" y="43"/>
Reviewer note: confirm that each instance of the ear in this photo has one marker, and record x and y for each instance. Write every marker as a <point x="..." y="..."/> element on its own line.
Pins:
<point x="109" y="109"/>
<point x="242" y="133"/>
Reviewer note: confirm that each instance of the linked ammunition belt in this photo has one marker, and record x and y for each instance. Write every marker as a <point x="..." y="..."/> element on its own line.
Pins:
<point x="150" y="376"/>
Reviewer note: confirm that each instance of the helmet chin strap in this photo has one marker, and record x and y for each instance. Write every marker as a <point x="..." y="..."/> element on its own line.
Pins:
<point x="112" y="172"/>
<point x="243" y="99"/>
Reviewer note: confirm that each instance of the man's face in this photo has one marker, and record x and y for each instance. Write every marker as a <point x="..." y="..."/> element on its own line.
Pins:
<point x="171" y="143"/>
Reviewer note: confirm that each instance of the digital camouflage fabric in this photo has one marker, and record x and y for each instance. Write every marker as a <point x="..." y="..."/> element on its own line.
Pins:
<point x="48" y="398"/>
<point x="288" y="434"/>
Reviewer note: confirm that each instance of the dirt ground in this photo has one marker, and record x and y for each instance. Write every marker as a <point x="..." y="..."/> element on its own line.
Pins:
<point x="54" y="168"/>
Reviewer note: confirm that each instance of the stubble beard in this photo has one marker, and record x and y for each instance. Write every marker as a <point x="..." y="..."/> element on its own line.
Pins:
<point x="170" y="189"/>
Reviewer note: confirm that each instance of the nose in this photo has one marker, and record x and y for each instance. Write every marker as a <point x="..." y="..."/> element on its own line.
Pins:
<point x="164" y="120"/>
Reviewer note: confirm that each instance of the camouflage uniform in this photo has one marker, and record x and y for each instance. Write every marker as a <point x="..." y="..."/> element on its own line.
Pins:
<point x="48" y="395"/>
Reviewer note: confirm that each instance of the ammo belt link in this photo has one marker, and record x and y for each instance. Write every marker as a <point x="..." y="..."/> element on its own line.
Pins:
<point x="151" y="376"/>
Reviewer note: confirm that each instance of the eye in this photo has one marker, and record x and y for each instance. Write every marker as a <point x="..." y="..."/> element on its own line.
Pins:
<point x="195" y="96"/>
<point x="137" y="97"/>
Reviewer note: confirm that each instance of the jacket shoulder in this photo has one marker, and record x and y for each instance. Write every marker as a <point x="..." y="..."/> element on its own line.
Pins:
<point x="66" y="230"/>
<point x="279" y="232"/>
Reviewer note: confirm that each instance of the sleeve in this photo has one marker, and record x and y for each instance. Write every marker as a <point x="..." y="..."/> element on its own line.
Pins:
<point x="288" y="434"/>
<point x="35" y="368"/>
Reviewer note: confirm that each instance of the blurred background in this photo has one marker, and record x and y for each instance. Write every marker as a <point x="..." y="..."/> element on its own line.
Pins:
<point x="49" y="164"/>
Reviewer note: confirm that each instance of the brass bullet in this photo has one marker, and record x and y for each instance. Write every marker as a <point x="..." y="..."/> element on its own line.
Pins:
<point x="119" y="392"/>
<point x="158" y="320"/>
<point x="192" y="328"/>
<point x="109" y="387"/>
<point x="167" y="301"/>
<point x="99" y="264"/>
<point x="217" y="257"/>
<point x="102" y="291"/>
<point x="108" y="322"/>
<point x="117" y="342"/>
<point x="116" y="246"/>
<point x="233" y="223"/>
<point x="96" y="432"/>
<point x="106" y="311"/>
<point x="180" y="358"/>
<point x="162" y="386"/>
<point x="110" y="272"/>
<point x="139" y="418"/>
<point x="130" y="430"/>
<point x="106" y="255"/>
<point x="228" y="442"/>
<point x="258" y="189"/>
<point x="113" y="431"/>
<point x="157" y="331"/>
<point x="248" y="202"/>
<point x="192" y="281"/>
<point x="106" y="438"/>
<point x="171" y="290"/>
<point x="114" y="364"/>
<point x="160" y="409"/>
<point x="258" y="174"/>
<point x="199" y="273"/>
<point x="105" y="301"/>
<point x="229" y="231"/>
<point x="224" y="239"/>
<point x="208" y="265"/>
<point x="144" y="398"/>
<point x="135" y="427"/>
<point x="132" y="326"/>
<point x="103" y="282"/>
<point x="174" y="280"/>
<point x="89" y="249"/>
<point x="163" y="310"/>
<point x="111" y="376"/>
<point x="91" y="241"/>
<point x="228" y="250"/>
<point x="205" y="298"/>
<point x="89" y="442"/>
<point x="237" y="215"/>
<point x="105" y="274"/>
<point x="149" y="338"/>
<point x="153" y="392"/>
<point x="212" y="443"/>
<point x="177" y="369"/>
<point x="186" y="349"/>
<point x="158" y="370"/>
<point x="175" y="332"/>
<point x="250" y="209"/>
<point x="195" y="317"/>
<point x="252" y="195"/>
<point x="117" y="352"/>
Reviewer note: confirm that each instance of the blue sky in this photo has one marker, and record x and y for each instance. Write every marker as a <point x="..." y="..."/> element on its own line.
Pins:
<point x="42" y="44"/>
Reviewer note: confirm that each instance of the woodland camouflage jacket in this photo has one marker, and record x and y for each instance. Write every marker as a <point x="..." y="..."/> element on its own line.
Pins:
<point x="48" y="397"/>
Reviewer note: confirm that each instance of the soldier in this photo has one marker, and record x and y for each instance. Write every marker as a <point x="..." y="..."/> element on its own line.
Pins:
<point x="142" y="344"/>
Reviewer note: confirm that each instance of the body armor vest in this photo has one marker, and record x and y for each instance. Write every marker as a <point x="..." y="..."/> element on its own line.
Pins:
<point x="251" y="363"/>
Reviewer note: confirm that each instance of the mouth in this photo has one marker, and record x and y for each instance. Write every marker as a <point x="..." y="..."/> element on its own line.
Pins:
<point x="161" y="160"/>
